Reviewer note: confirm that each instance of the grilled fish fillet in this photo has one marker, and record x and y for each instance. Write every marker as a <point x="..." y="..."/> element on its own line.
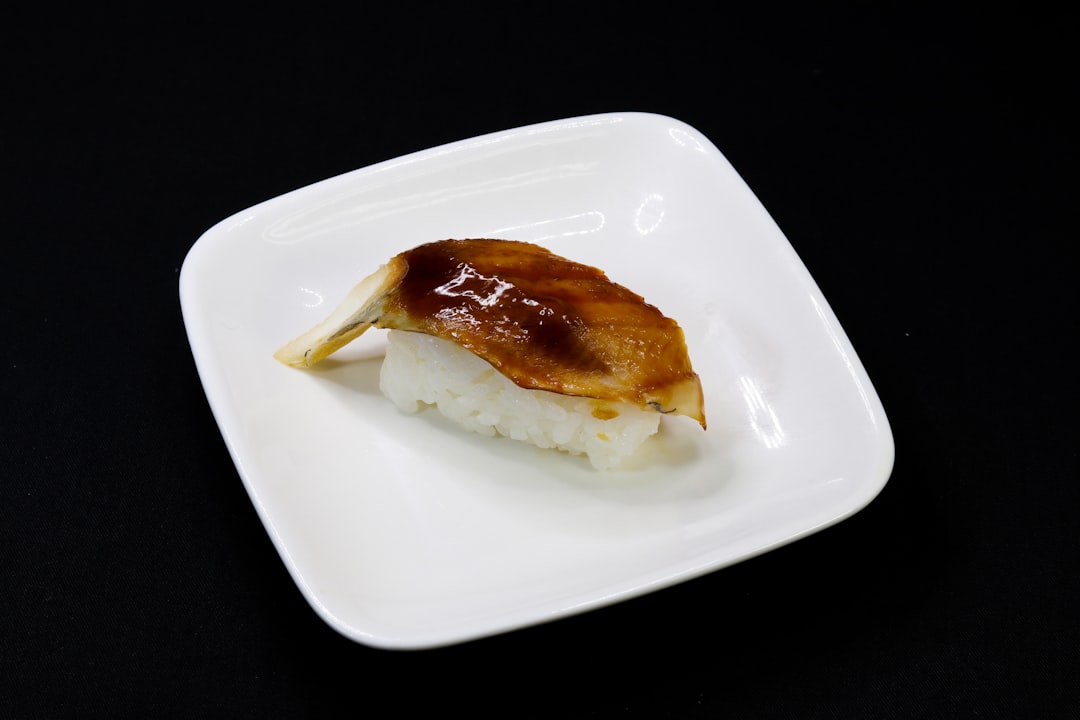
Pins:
<point x="545" y="322"/>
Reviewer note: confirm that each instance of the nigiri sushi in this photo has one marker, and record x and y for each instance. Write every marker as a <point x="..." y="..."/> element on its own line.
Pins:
<point x="506" y="337"/>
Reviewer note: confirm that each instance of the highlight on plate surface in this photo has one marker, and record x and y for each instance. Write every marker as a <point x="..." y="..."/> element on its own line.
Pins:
<point x="505" y="337"/>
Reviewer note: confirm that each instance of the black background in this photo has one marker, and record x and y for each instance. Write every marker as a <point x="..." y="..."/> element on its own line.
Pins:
<point x="921" y="164"/>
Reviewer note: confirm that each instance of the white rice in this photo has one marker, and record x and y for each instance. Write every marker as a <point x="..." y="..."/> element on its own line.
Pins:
<point x="421" y="370"/>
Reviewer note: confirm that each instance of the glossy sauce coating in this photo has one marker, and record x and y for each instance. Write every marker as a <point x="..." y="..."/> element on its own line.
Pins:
<point x="543" y="321"/>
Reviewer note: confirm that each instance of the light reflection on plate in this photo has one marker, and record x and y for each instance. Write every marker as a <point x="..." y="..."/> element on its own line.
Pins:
<point x="404" y="532"/>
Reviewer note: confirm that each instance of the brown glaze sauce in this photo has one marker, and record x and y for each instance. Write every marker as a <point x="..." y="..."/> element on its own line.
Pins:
<point x="544" y="321"/>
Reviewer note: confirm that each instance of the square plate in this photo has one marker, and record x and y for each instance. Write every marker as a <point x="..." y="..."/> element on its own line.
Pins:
<point x="405" y="532"/>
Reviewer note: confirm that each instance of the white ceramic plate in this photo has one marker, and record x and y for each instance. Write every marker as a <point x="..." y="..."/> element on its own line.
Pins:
<point x="404" y="532"/>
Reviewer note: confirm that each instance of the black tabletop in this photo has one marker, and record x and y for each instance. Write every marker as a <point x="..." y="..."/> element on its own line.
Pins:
<point x="923" y="168"/>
